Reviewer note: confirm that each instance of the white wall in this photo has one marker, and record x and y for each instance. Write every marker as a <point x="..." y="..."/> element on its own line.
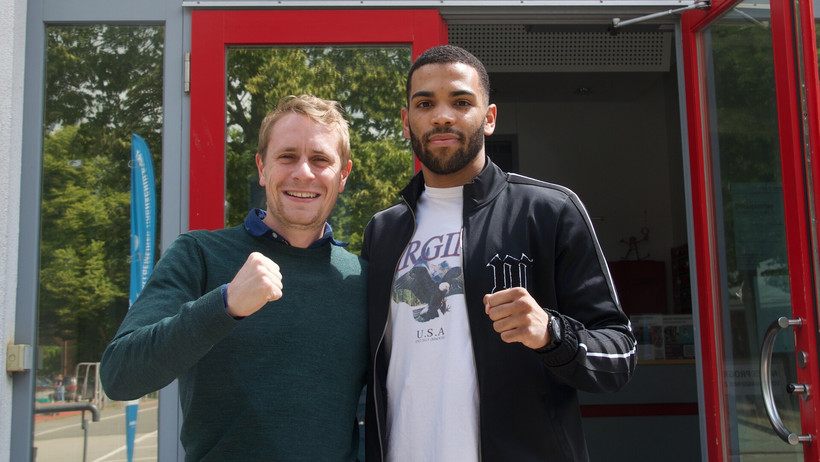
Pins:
<point x="12" y="53"/>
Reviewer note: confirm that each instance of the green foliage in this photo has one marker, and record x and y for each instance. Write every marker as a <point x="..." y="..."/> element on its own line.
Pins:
<point x="368" y="82"/>
<point x="747" y="137"/>
<point x="746" y="105"/>
<point x="103" y="84"/>
<point x="50" y="359"/>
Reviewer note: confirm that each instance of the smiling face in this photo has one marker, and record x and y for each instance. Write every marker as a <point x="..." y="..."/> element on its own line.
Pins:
<point x="446" y="121"/>
<point x="302" y="174"/>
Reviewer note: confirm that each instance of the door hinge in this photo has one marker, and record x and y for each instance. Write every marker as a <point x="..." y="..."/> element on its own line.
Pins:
<point x="187" y="72"/>
<point x="18" y="358"/>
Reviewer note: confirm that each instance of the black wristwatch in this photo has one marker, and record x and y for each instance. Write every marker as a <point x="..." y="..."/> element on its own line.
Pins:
<point x="554" y="329"/>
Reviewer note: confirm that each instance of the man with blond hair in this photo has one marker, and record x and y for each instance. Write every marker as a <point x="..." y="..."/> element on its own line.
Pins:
<point x="263" y="323"/>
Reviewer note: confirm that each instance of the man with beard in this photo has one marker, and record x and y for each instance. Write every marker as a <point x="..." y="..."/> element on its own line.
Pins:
<point x="531" y="318"/>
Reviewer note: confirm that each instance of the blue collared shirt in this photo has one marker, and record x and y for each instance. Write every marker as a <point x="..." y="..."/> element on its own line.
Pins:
<point x="257" y="227"/>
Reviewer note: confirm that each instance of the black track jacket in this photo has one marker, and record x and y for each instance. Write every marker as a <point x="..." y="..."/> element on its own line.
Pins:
<point x="517" y="231"/>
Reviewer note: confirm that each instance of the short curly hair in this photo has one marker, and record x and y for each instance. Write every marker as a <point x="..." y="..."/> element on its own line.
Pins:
<point x="449" y="54"/>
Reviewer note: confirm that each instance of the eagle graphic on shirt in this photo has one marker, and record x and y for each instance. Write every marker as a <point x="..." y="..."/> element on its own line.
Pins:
<point x="426" y="288"/>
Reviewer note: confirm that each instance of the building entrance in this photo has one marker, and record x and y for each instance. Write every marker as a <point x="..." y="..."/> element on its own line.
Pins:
<point x="603" y="123"/>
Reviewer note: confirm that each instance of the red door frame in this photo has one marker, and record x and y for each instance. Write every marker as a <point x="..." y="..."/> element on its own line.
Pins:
<point x="795" y="205"/>
<point x="214" y="30"/>
<point x="795" y="175"/>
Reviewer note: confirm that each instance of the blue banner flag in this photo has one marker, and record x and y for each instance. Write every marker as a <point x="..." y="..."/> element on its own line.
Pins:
<point x="143" y="215"/>
<point x="143" y="225"/>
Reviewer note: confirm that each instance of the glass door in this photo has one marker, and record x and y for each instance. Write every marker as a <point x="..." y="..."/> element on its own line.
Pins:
<point x="756" y="295"/>
<point x="244" y="62"/>
<point x="103" y="88"/>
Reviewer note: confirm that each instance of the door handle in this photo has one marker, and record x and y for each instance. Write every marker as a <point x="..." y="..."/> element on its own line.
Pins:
<point x="766" y="382"/>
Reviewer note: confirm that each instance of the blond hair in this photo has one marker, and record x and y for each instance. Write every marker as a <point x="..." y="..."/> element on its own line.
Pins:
<point x="326" y="112"/>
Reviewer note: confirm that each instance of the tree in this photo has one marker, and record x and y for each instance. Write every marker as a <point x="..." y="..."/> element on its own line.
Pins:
<point x="370" y="85"/>
<point x="746" y="116"/>
<point x="102" y="84"/>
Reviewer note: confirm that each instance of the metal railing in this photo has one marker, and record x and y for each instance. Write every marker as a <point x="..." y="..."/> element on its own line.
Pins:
<point x="84" y="406"/>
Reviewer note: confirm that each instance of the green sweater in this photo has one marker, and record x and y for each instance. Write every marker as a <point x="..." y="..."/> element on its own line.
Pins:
<point x="282" y="384"/>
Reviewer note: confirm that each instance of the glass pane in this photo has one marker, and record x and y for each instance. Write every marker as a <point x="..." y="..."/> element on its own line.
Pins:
<point x="370" y="84"/>
<point x="103" y="84"/>
<point x="747" y="160"/>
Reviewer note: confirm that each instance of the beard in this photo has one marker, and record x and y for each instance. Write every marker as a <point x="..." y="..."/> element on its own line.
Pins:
<point x="442" y="164"/>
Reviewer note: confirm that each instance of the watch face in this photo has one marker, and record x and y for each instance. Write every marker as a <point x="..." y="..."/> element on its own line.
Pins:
<point x="555" y="330"/>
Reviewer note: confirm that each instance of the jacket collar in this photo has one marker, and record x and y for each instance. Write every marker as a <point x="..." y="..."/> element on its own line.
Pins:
<point x="484" y="187"/>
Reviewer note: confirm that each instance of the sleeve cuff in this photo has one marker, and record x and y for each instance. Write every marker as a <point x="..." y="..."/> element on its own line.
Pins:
<point x="564" y="352"/>
<point x="225" y="302"/>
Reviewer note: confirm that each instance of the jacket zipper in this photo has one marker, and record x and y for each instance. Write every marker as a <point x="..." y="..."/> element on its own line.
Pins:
<point x="381" y="340"/>
<point x="464" y="273"/>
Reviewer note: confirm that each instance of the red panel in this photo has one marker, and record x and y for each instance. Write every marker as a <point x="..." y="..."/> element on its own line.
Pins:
<point x="808" y="341"/>
<point x="710" y="325"/>
<point x="207" y="169"/>
<point x="214" y="30"/>
<point x="795" y="193"/>
<point x="641" y="285"/>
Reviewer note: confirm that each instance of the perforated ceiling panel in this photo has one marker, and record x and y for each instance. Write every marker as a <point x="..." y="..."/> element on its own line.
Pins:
<point x="520" y="48"/>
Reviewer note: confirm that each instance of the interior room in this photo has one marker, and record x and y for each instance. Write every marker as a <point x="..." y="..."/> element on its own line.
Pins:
<point x="600" y="114"/>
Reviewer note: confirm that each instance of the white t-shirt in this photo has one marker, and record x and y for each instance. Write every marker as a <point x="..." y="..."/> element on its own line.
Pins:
<point x="432" y="404"/>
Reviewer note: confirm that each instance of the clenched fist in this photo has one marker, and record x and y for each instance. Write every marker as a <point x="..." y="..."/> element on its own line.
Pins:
<point x="255" y="284"/>
<point x="517" y="317"/>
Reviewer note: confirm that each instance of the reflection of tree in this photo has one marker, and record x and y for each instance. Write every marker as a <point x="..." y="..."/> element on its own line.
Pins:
<point x="751" y="181"/>
<point x="746" y="116"/>
<point x="369" y="82"/>
<point x="102" y="84"/>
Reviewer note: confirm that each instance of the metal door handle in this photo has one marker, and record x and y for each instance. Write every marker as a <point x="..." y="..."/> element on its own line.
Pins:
<point x="766" y="383"/>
